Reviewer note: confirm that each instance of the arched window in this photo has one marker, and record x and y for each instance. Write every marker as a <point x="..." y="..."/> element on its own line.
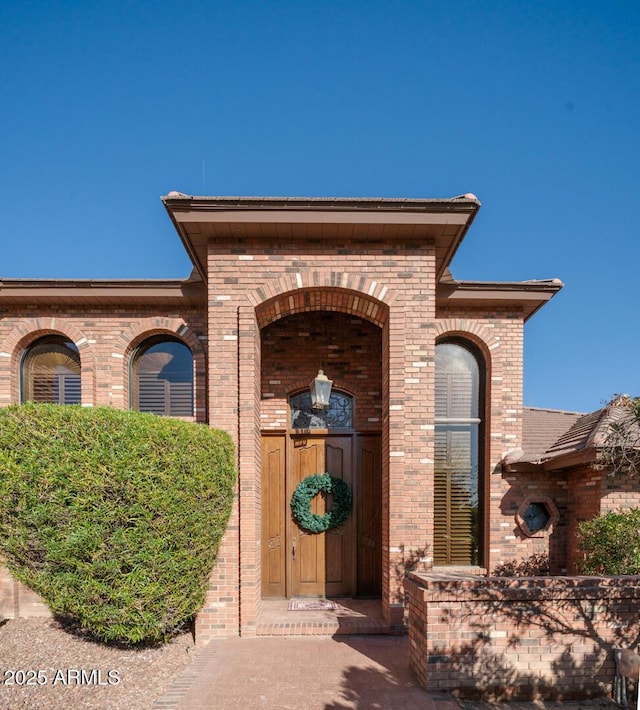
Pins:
<point x="50" y="372"/>
<point x="339" y="415"/>
<point x="458" y="454"/>
<point x="162" y="378"/>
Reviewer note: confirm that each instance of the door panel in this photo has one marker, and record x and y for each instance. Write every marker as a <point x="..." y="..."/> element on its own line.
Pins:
<point x="321" y="563"/>
<point x="273" y="517"/>
<point x="307" y="550"/>
<point x="339" y="564"/>
<point x="369" y="504"/>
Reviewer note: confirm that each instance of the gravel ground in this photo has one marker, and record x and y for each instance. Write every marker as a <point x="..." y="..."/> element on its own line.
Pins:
<point x="45" y="666"/>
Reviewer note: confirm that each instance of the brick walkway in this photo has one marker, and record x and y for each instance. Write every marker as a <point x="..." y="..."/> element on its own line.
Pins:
<point x="302" y="673"/>
<point x="319" y="660"/>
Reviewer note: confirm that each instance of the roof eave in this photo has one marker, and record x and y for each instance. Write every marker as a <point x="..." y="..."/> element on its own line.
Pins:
<point x="515" y="467"/>
<point x="572" y="459"/>
<point x="528" y="296"/>
<point x="554" y="464"/>
<point x="213" y="203"/>
<point x="187" y="209"/>
<point x="50" y="291"/>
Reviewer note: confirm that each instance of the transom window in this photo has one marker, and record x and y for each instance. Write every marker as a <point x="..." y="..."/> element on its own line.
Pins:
<point x="457" y="455"/>
<point x="162" y="378"/>
<point x="338" y="416"/>
<point x="50" y="372"/>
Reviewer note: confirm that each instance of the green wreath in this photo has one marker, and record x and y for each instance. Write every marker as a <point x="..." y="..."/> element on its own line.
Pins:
<point x="308" y="489"/>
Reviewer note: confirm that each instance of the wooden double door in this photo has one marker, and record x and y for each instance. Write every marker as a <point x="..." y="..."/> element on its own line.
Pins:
<point x="342" y="562"/>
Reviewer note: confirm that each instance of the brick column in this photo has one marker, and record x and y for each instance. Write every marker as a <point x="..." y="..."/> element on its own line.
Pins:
<point x="249" y="468"/>
<point x="410" y="453"/>
<point x="220" y="615"/>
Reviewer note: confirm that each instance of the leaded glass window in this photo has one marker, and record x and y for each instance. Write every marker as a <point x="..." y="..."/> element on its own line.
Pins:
<point x="50" y="372"/>
<point x="457" y="455"/>
<point x="162" y="378"/>
<point x="338" y="416"/>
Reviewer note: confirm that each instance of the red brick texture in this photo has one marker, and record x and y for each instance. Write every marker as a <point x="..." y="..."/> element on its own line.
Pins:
<point x="278" y="310"/>
<point x="502" y="638"/>
<point x="347" y="347"/>
<point x="595" y="493"/>
<point x="520" y="488"/>
<point x="106" y="339"/>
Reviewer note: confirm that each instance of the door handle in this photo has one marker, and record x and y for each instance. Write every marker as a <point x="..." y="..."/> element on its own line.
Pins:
<point x="293" y="550"/>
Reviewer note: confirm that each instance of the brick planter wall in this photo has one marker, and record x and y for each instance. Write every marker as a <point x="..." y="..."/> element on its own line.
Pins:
<point x="525" y="638"/>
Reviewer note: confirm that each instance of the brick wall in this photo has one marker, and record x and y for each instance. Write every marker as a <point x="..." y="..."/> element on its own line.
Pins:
<point x="594" y="493"/>
<point x="366" y="313"/>
<point x="277" y="311"/>
<point x="281" y="279"/>
<point x="106" y="338"/>
<point x="347" y="347"/>
<point x="530" y="638"/>
<point x="535" y="486"/>
<point x="618" y="491"/>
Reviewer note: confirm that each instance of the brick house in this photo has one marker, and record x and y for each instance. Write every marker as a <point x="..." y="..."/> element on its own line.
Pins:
<point x="559" y="461"/>
<point x="425" y="406"/>
<point x="506" y="638"/>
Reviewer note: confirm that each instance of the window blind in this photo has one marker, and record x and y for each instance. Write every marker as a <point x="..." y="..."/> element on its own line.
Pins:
<point x="456" y="485"/>
<point x="163" y="379"/>
<point x="50" y="372"/>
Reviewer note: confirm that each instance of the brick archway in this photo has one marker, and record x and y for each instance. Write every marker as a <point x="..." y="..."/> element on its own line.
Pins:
<point x="465" y="328"/>
<point x="307" y="291"/>
<point x="148" y="327"/>
<point x="322" y="290"/>
<point x="355" y="297"/>
<point x="131" y="338"/>
<point x="28" y="331"/>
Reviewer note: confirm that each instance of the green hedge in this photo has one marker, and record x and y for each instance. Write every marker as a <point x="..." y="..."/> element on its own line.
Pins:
<point x="113" y="517"/>
<point x="611" y="543"/>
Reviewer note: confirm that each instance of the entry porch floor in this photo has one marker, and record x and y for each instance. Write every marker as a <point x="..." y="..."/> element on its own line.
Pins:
<point x="356" y="616"/>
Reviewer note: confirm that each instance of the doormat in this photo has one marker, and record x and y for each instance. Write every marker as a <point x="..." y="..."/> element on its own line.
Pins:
<point x="313" y="605"/>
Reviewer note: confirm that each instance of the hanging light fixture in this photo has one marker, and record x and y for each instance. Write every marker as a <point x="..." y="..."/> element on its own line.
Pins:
<point x="320" y="391"/>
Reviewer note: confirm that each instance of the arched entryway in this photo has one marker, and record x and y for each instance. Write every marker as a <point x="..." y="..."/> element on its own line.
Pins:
<point x="298" y="442"/>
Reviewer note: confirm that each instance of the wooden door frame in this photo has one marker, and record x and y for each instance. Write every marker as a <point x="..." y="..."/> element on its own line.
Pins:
<point x="287" y="438"/>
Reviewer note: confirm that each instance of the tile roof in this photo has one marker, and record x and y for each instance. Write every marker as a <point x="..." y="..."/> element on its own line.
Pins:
<point x="549" y="434"/>
<point x="583" y="434"/>
<point x="542" y="428"/>
<point x="591" y="430"/>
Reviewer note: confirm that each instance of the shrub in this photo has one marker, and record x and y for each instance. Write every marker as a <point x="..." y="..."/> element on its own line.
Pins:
<point x="113" y="517"/>
<point x="533" y="566"/>
<point x="611" y="543"/>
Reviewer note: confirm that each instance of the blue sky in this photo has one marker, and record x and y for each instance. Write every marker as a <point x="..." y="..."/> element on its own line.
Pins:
<point x="533" y="106"/>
